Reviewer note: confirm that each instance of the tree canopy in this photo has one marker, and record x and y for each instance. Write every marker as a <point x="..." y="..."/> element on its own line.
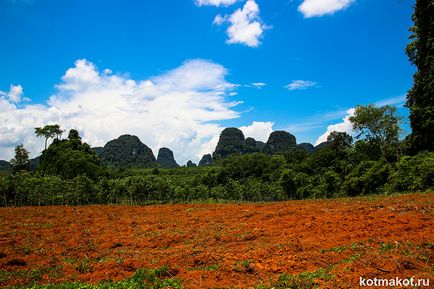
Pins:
<point x="69" y="158"/>
<point x="379" y="126"/>
<point x="49" y="131"/>
<point x="420" y="98"/>
<point x="21" y="159"/>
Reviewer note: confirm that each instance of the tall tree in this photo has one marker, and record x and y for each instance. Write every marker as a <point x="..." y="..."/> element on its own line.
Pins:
<point x="21" y="159"/>
<point x="49" y="131"/>
<point x="379" y="126"/>
<point x="339" y="141"/>
<point x="420" y="99"/>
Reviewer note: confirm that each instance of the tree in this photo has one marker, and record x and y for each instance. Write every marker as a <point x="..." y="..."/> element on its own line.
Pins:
<point x="69" y="158"/>
<point x="21" y="159"/>
<point x="339" y="141"/>
<point x="379" y="126"/>
<point x="49" y="131"/>
<point x="420" y="99"/>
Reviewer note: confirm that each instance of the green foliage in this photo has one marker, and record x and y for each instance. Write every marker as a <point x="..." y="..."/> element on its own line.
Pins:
<point x="206" y="160"/>
<point x="309" y="148"/>
<point x="250" y="177"/>
<point x="420" y="99"/>
<point x="379" y="126"/>
<point x="231" y="141"/>
<point x="250" y="146"/>
<point x="127" y="151"/>
<point x="368" y="177"/>
<point x="413" y="173"/>
<point x="49" y="131"/>
<point x="252" y="165"/>
<point x="339" y="141"/>
<point x="69" y="158"/>
<point x="21" y="159"/>
<point x="143" y="279"/>
<point x="4" y="166"/>
<point x="70" y="173"/>
<point x="304" y="280"/>
<point x="280" y="142"/>
<point x="330" y="184"/>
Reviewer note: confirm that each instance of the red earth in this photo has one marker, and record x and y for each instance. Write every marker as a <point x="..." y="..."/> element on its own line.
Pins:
<point x="222" y="245"/>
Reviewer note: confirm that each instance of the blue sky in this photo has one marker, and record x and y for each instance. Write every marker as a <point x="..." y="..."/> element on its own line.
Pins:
<point x="262" y="65"/>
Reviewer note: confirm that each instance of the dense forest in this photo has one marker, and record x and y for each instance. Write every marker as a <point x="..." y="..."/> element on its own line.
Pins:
<point x="125" y="171"/>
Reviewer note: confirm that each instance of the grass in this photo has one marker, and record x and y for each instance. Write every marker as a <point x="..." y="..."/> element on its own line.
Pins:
<point x="304" y="280"/>
<point x="386" y="247"/>
<point x="244" y="266"/>
<point x="143" y="279"/>
<point x="31" y="276"/>
<point x="352" y="258"/>
<point x="339" y="249"/>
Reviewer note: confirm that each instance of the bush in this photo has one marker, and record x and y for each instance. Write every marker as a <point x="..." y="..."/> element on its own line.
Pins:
<point x="369" y="177"/>
<point x="414" y="173"/>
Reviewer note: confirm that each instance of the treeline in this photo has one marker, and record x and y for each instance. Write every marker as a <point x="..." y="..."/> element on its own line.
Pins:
<point x="69" y="172"/>
<point x="250" y="177"/>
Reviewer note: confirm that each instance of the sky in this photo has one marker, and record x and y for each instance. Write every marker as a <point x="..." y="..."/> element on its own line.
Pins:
<point x="177" y="74"/>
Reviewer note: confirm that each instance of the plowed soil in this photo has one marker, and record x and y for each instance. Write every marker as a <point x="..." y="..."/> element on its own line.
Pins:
<point x="221" y="245"/>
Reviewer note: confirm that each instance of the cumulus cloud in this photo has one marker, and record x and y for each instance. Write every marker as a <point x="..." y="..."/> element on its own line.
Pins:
<point x="343" y="126"/>
<point x="317" y="8"/>
<point x="245" y="25"/>
<point x="215" y="2"/>
<point x="258" y="130"/>
<point x="300" y="84"/>
<point x="14" y="94"/>
<point x="179" y="109"/>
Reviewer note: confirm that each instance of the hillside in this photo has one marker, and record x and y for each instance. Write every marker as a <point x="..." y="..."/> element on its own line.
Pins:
<point x="127" y="151"/>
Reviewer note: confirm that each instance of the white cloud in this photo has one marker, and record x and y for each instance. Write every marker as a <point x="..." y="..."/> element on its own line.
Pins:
<point x="215" y="2"/>
<point x="316" y="121"/>
<point x="245" y="25"/>
<point x="399" y="100"/>
<point x="14" y="95"/>
<point x="219" y="20"/>
<point x="179" y="109"/>
<point x="258" y="130"/>
<point x="343" y="126"/>
<point x="316" y="8"/>
<point x="259" y="84"/>
<point x="300" y="84"/>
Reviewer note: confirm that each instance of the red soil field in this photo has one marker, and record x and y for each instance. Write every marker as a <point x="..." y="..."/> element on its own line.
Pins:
<point x="222" y="245"/>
